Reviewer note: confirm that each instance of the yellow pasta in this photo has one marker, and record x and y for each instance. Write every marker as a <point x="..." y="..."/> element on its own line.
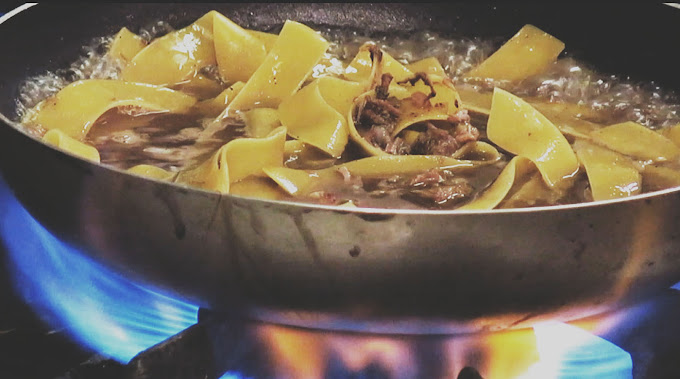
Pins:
<point x="444" y="104"/>
<point x="655" y="178"/>
<point x="673" y="134"/>
<point x="611" y="175"/>
<point x="321" y="124"/>
<point x="237" y="51"/>
<point x="296" y="51"/>
<point x="492" y="196"/>
<point x="261" y="121"/>
<point x="213" y="107"/>
<point x="517" y="127"/>
<point x="531" y="193"/>
<point x="56" y="137"/>
<point x="75" y="108"/>
<point x="361" y="67"/>
<point x="267" y="39"/>
<point x="428" y="65"/>
<point x="126" y="45"/>
<point x="527" y="53"/>
<point x="637" y="141"/>
<point x="153" y="172"/>
<point x="260" y="188"/>
<point x="175" y="57"/>
<point x="301" y="182"/>
<point x="237" y="160"/>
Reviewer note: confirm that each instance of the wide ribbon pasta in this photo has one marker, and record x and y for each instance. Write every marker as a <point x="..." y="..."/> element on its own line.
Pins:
<point x="56" y="137"/>
<point x="302" y="182"/>
<point x="517" y="127"/>
<point x="527" y="53"/>
<point x="175" y="57"/>
<point x="420" y="99"/>
<point x="153" y="172"/>
<point x="125" y="45"/>
<point x="611" y="175"/>
<point x="370" y="63"/>
<point x="637" y="141"/>
<point x="492" y="196"/>
<point x="235" y="161"/>
<point x="295" y="52"/>
<point x="238" y="52"/>
<point x="316" y="114"/>
<point x="76" y="107"/>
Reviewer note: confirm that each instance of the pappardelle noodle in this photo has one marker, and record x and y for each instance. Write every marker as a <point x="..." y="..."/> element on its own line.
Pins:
<point x="276" y="116"/>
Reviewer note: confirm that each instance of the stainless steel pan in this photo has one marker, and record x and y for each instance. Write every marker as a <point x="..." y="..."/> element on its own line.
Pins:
<point x="376" y="270"/>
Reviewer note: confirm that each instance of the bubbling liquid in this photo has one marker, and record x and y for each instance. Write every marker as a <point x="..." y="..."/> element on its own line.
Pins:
<point x="174" y="142"/>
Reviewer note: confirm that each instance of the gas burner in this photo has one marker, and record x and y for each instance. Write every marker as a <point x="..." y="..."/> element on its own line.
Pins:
<point x="134" y="332"/>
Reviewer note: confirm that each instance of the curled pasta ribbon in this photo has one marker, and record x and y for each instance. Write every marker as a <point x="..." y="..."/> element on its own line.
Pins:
<point x="445" y="102"/>
<point x="611" y="175"/>
<point x="213" y="107"/>
<point x="75" y="108"/>
<point x="421" y="98"/>
<point x="176" y="57"/>
<point x="492" y="196"/>
<point x="153" y="172"/>
<point x="315" y="115"/>
<point x="569" y="118"/>
<point x="371" y="62"/>
<point x="655" y="178"/>
<point x="531" y="193"/>
<point x="56" y="137"/>
<point x="261" y="121"/>
<point x="527" y="53"/>
<point x="295" y="53"/>
<point x="516" y="126"/>
<point x="126" y="45"/>
<point x="235" y="161"/>
<point x="637" y="141"/>
<point x="430" y="66"/>
<point x="302" y="182"/>
<point x="238" y="52"/>
<point x="258" y="188"/>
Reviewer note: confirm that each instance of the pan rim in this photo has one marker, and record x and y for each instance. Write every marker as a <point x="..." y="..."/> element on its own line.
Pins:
<point x="334" y="208"/>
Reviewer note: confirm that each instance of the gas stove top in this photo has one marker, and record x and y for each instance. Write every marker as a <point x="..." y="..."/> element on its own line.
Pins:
<point x="65" y="316"/>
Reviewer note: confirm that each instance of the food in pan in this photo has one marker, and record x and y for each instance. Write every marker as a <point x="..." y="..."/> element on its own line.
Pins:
<point x="355" y="122"/>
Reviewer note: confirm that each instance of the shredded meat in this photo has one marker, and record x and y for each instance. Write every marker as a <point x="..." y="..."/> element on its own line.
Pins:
<point x="382" y="90"/>
<point x="323" y="197"/>
<point x="397" y="146"/>
<point x="465" y="133"/>
<point x="462" y="116"/>
<point x="427" y="178"/>
<point x="378" y="135"/>
<point x="435" y="141"/>
<point x="444" y="194"/>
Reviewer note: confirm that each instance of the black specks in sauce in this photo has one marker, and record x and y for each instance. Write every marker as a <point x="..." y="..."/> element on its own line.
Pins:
<point x="355" y="251"/>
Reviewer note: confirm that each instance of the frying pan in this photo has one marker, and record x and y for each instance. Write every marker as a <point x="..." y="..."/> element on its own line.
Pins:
<point x="398" y="271"/>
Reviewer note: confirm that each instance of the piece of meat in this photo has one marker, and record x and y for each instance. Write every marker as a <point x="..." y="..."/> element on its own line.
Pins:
<point x="435" y="141"/>
<point x="429" y="177"/>
<point x="382" y="90"/>
<point x="462" y="116"/>
<point x="443" y="194"/>
<point x="378" y="135"/>
<point x="397" y="146"/>
<point x="465" y="133"/>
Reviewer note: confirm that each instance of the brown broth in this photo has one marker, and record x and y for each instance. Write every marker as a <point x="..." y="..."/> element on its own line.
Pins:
<point x="172" y="141"/>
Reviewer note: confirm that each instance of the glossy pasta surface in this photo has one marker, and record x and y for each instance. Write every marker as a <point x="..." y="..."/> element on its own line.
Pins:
<point x="297" y="115"/>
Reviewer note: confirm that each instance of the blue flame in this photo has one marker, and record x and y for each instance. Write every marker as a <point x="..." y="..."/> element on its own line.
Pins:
<point x="568" y="352"/>
<point x="101" y="309"/>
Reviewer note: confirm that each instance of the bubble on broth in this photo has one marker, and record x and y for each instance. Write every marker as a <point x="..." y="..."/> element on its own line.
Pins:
<point x="567" y="80"/>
